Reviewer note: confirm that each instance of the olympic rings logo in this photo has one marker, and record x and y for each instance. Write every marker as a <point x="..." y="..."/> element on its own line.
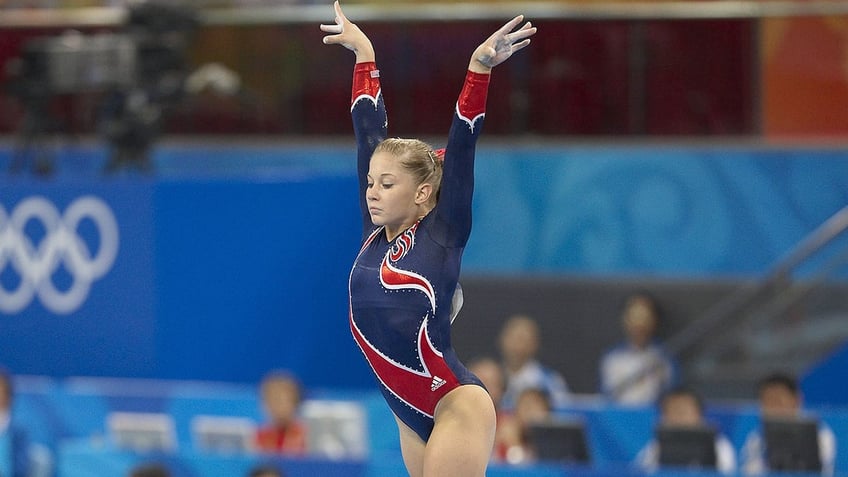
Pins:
<point x="36" y="264"/>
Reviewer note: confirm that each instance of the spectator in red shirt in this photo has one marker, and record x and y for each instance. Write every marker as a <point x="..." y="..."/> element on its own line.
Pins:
<point x="284" y="433"/>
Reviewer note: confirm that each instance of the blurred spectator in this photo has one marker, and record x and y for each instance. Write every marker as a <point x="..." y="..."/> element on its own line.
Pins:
<point x="15" y="463"/>
<point x="492" y="376"/>
<point x="519" y="345"/>
<point x="284" y="433"/>
<point x="683" y="408"/>
<point x="150" y="470"/>
<point x="781" y="398"/>
<point x="265" y="471"/>
<point x="21" y="457"/>
<point x="513" y="445"/>
<point x="637" y="371"/>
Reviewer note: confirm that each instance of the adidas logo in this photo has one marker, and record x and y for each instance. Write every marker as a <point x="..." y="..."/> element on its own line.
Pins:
<point x="437" y="383"/>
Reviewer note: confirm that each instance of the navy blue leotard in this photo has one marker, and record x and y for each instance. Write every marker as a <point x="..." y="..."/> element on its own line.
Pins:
<point x="401" y="290"/>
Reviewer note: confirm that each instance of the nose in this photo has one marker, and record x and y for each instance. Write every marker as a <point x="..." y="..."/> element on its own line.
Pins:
<point x="371" y="194"/>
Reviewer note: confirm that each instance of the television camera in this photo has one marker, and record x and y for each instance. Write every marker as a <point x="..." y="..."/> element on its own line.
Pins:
<point x="139" y="71"/>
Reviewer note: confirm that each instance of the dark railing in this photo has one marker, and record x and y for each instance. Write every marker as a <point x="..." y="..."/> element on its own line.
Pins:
<point x="775" y="281"/>
<point x="755" y="304"/>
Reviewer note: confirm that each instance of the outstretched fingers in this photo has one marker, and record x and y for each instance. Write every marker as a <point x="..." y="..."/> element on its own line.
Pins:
<point x="509" y="26"/>
<point x="337" y="28"/>
<point x="521" y="38"/>
<point x="340" y="16"/>
<point x="349" y="35"/>
<point x="526" y="31"/>
<point x="521" y="45"/>
<point x="504" y="42"/>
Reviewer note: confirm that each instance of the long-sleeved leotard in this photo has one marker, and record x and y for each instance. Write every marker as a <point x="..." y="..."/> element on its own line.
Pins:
<point x="401" y="291"/>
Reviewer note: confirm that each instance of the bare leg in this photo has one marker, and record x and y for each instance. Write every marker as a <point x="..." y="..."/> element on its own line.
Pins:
<point x="412" y="448"/>
<point x="463" y="435"/>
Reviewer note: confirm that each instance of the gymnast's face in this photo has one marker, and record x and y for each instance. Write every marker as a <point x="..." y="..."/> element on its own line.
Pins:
<point x="394" y="199"/>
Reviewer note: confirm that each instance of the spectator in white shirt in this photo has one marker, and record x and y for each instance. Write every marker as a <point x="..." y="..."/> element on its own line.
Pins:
<point x="781" y="398"/>
<point x="637" y="371"/>
<point x="683" y="408"/>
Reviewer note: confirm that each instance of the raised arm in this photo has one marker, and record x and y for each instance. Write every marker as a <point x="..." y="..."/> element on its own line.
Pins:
<point x="366" y="104"/>
<point x="454" y="207"/>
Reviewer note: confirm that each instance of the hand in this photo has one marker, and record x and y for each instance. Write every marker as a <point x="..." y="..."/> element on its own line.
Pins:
<point x="501" y="45"/>
<point x="349" y="35"/>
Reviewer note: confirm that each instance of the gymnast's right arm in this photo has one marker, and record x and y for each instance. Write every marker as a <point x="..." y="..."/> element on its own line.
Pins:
<point x="367" y="107"/>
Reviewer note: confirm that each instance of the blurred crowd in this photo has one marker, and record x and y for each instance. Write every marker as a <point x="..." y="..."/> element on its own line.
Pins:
<point x="530" y="396"/>
<point x="639" y="373"/>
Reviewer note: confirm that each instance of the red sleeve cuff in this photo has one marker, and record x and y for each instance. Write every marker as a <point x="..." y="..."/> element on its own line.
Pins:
<point x="366" y="80"/>
<point x="472" y="99"/>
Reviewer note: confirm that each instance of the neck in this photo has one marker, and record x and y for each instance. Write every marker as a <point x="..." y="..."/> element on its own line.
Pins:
<point x="392" y="232"/>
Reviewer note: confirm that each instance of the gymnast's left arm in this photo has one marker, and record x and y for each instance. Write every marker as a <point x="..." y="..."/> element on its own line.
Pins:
<point x="454" y="205"/>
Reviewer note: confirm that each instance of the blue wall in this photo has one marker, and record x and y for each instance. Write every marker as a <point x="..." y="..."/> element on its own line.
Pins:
<point x="825" y="383"/>
<point x="691" y="212"/>
<point x="233" y="261"/>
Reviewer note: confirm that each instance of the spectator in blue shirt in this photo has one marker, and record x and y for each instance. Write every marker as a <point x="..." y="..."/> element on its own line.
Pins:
<point x="519" y="345"/>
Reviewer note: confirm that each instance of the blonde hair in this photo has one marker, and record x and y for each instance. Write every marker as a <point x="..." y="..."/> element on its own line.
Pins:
<point x="419" y="159"/>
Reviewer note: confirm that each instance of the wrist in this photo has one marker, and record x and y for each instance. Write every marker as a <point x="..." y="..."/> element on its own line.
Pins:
<point x="364" y="53"/>
<point x="476" y="66"/>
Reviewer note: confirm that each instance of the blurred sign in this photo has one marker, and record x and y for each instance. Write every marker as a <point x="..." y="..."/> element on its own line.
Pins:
<point x="76" y="278"/>
<point x="62" y="246"/>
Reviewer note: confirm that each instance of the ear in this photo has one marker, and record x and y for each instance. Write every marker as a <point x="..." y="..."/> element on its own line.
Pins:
<point x="422" y="194"/>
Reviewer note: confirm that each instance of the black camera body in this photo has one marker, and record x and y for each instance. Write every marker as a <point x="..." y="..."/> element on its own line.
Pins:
<point x="140" y="71"/>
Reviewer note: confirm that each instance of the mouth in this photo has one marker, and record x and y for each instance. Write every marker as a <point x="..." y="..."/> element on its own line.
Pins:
<point x="373" y="210"/>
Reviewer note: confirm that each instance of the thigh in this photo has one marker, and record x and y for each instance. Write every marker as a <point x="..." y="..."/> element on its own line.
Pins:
<point x="463" y="434"/>
<point x="412" y="448"/>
